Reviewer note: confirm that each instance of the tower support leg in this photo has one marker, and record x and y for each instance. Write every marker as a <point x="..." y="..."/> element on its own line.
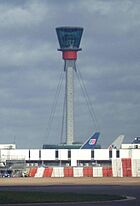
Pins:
<point x="69" y="105"/>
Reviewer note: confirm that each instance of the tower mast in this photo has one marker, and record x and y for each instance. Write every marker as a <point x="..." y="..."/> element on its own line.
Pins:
<point x="69" y="40"/>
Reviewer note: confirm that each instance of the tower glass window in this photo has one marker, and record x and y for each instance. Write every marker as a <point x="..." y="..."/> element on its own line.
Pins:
<point x="69" y="37"/>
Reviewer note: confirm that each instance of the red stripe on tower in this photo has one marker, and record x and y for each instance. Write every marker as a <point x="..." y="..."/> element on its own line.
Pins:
<point x="69" y="55"/>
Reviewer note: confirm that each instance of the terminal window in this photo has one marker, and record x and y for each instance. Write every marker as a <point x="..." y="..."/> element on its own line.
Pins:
<point x="69" y="154"/>
<point x="92" y="153"/>
<point x="56" y="154"/>
<point x="110" y="154"/>
<point x="118" y="153"/>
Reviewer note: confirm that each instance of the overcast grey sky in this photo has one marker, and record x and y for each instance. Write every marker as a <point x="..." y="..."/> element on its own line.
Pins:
<point x="30" y="67"/>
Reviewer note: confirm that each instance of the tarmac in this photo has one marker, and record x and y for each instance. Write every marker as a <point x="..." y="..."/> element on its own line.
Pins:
<point x="70" y="181"/>
<point x="107" y="185"/>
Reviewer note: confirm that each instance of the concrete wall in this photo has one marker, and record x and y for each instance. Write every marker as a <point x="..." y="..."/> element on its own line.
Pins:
<point x="62" y="154"/>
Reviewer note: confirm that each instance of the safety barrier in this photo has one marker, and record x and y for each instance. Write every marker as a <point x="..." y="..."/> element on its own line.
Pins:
<point x="117" y="168"/>
<point x="88" y="172"/>
<point x="107" y="171"/>
<point x="97" y="172"/>
<point x="58" y="172"/>
<point x="40" y="172"/>
<point x="125" y="167"/>
<point x="136" y="167"/>
<point x="78" y="171"/>
<point x="68" y="171"/>
<point x="48" y="172"/>
<point x="32" y="172"/>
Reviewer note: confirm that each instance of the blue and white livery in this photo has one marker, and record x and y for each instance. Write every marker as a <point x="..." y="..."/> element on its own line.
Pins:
<point x="91" y="142"/>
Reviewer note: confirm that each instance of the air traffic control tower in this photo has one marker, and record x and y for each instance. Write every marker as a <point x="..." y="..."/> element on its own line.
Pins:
<point x="69" y="40"/>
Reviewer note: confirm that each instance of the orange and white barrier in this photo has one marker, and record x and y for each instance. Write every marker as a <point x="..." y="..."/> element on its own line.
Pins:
<point x="88" y="171"/>
<point x="39" y="172"/>
<point x="136" y="167"/>
<point x="117" y="168"/>
<point x="67" y="172"/>
<point x="125" y="167"/>
<point x="107" y="171"/>
<point x="32" y="172"/>
<point x="97" y="172"/>
<point x="48" y="172"/>
<point x="77" y="171"/>
<point x="58" y="172"/>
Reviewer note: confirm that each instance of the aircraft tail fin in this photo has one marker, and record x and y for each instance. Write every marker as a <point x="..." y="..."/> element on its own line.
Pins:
<point x="116" y="144"/>
<point x="91" y="142"/>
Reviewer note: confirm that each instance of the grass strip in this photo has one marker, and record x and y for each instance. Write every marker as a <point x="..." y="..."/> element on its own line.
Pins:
<point x="7" y="197"/>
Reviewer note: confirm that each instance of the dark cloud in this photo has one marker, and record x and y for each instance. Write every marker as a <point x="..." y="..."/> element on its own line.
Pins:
<point x="30" y="68"/>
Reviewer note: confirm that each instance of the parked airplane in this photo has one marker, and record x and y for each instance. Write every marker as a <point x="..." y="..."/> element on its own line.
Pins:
<point x="116" y="144"/>
<point x="91" y="142"/>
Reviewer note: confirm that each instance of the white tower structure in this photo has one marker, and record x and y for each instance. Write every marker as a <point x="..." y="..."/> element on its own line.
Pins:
<point x="69" y="40"/>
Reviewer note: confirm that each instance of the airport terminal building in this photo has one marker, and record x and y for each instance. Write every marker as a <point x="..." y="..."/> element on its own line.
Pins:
<point x="122" y="162"/>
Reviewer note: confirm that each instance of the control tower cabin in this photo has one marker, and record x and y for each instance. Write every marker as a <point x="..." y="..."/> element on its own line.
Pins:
<point x="69" y="40"/>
